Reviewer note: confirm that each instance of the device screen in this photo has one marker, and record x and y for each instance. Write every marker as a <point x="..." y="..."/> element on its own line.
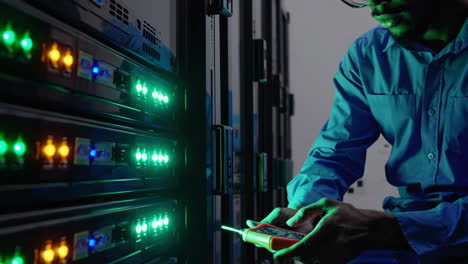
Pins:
<point x="279" y="233"/>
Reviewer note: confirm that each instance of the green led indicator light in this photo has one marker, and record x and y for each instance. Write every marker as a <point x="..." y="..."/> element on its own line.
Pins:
<point x="138" y="229"/>
<point x="26" y="43"/>
<point x="8" y="37"/>
<point x="139" y="87"/>
<point x="155" y="95"/>
<point x="166" y="99"/>
<point x="144" y="157"/>
<point x="166" y="221"/>
<point x="144" y="227"/>
<point x="19" y="148"/>
<point x="160" y="222"/>
<point x="138" y="156"/>
<point x="154" y="157"/>
<point x="3" y="148"/>
<point x="17" y="260"/>
<point x="160" y="97"/>
<point x="166" y="158"/>
<point x="144" y="90"/>
<point x="154" y="224"/>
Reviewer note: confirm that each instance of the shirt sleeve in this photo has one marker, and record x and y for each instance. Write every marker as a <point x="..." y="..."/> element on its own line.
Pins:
<point x="337" y="157"/>
<point x="441" y="230"/>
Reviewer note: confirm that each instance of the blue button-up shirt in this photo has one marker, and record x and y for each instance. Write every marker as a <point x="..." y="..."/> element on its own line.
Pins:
<point x="418" y="100"/>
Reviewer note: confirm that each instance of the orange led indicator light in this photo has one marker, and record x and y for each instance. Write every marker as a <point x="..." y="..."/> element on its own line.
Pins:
<point x="54" y="54"/>
<point x="48" y="254"/>
<point x="68" y="59"/>
<point x="64" y="150"/>
<point x="62" y="251"/>
<point x="49" y="149"/>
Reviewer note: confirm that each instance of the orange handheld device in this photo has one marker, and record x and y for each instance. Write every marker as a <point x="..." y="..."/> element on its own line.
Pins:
<point x="268" y="236"/>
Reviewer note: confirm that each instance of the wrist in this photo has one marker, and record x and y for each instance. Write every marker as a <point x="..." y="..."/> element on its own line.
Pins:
<point x="388" y="233"/>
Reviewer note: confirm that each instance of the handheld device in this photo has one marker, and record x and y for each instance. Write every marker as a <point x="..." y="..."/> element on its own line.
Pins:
<point x="268" y="236"/>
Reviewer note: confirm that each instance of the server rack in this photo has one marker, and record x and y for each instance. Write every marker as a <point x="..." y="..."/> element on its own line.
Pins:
<point x="131" y="130"/>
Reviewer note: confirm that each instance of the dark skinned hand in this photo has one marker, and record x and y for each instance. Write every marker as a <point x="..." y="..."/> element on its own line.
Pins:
<point x="343" y="233"/>
<point x="279" y="216"/>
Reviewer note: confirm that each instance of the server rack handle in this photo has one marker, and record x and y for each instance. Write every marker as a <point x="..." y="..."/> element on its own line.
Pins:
<point x="263" y="182"/>
<point x="223" y="159"/>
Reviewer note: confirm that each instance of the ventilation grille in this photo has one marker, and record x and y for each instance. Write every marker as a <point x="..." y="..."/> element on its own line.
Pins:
<point x="118" y="11"/>
<point x="152" y="52"/>
<point x="149" y="33"/>
<point x="149" y="27"/>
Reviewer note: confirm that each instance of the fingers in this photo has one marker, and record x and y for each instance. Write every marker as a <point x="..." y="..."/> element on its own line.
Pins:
<point x="274" y="218"/>
<point x="311" y="211"/>
<point x="304" y="214"/>
<point x="251" y="223"/>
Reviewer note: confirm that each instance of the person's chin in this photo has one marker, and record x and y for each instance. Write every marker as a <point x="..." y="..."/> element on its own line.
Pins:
<point x="402" y="39"/>
<point x="403" y="35"/>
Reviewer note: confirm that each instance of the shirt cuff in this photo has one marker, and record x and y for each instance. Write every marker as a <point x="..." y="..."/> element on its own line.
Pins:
<point x="412" y="231"/>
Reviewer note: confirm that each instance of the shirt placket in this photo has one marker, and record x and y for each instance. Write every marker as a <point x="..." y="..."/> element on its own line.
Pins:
<point x="432" y="107"/>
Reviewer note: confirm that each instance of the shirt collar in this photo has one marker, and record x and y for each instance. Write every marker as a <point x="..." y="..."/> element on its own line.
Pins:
<point x="390" y="41"/>
<point x="461" y="41"/>
<point x="459" y="44"/>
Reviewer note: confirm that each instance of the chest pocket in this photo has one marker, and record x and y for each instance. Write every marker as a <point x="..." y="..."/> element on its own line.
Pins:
<point x="395" y="113"/>
<point x="456" y="124"/>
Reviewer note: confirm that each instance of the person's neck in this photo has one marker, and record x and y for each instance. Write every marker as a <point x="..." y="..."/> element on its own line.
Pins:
<point x="444" y="28"/>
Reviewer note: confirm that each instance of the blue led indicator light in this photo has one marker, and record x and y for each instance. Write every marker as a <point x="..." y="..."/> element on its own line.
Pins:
<point x="92" y="153"/>
<point x="92" y="242"/>
<point x="95" y="69"/>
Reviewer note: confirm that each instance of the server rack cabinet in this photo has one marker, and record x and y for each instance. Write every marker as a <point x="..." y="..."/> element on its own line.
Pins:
<point x="227" y="69"/>
<point x="91" y="158"/>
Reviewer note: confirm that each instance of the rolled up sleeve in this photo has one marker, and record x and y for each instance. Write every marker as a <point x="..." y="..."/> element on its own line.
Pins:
<point x="337" y="157"/>
<point x="442" y="228"/>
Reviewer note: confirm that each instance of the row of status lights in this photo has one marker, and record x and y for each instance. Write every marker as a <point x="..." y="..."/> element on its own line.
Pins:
<point x="142" y="156"/>
<point x="142" y="227"/>
<point x="10" y="40"/>
<point x="18" y="147"/>
<point x="158" y="96"/>
<point x="59" y="57"/>
<point x="50" y="253"/>
<point x="50" y="149"/>
<point x="47" y="255"/>
<point x="59" y="251"/>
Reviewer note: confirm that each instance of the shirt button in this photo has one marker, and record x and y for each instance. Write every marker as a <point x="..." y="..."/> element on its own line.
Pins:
<point x="431" y="156"/>
<point x="431" y="112"/>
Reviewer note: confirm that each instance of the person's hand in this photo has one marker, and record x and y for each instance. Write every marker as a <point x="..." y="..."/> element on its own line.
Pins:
<point x="343" y="233"/>
<point x="279" y="216"/>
